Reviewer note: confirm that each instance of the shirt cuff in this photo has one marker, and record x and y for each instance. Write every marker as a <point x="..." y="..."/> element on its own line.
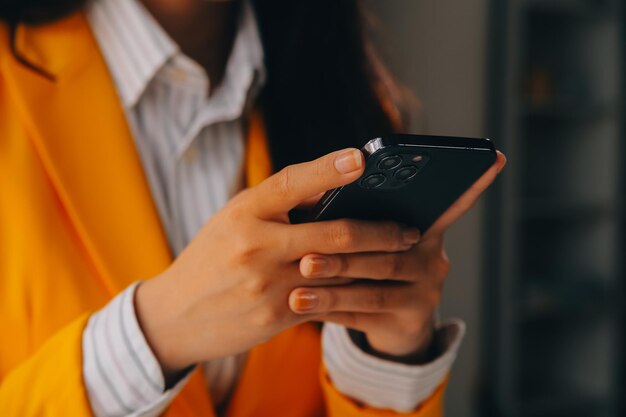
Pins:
<point x="385" y="384"/>
<point x="121" y="374"/>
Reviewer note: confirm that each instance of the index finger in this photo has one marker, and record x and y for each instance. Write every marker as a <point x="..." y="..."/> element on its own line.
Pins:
<point x="467" y="200"/>
<point x="296" y="183"/>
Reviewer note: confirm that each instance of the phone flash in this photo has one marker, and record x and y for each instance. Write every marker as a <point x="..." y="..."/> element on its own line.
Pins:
<point x="417" y="158"/>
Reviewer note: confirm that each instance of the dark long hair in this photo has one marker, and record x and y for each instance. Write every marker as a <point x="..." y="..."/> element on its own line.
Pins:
<point x="325" y="87"/>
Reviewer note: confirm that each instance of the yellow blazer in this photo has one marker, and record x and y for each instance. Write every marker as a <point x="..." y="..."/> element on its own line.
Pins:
<point x="78" y="225"/>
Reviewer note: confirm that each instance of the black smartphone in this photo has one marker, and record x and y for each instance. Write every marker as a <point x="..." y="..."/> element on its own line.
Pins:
<point x="411" y="179"/>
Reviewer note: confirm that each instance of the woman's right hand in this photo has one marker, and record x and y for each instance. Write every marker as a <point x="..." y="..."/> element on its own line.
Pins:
<point x="228" y="290"/>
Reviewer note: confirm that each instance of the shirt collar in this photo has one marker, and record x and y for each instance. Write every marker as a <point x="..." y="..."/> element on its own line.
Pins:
<point x="136" y="48"/>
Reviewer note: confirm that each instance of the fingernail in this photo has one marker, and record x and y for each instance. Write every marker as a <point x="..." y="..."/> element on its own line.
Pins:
<point x="410" y="236"/>
<point x="317" y="266"/>
<point x="349" y="161"/>
<point x="306" y="301"/>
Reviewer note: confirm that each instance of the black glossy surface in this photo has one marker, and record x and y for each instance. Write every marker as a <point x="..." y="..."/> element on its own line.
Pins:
<point x="447" y="168"/>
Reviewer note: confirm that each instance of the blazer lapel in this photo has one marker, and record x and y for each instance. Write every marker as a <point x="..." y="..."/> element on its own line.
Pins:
<point x="79" y="129"/>
<point x="80" y="132"/>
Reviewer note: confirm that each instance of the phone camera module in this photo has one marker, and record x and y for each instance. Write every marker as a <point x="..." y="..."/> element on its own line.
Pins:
<point x="405" y="173"/>
<point x="373" y="181"/>
<point x="390" y="162"/>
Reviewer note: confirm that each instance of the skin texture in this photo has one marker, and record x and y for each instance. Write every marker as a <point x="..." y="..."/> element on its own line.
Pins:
<point x="248" y="274"/>
<point x="204" y="30"/>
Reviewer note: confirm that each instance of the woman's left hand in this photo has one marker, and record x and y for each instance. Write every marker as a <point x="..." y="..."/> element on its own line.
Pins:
<point x="395" y="312"/>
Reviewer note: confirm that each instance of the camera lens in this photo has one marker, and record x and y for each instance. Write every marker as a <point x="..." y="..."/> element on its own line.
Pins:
<point x="373" y="181"/>
<point x="405" y="173"/>
<point x="390" y="162"/>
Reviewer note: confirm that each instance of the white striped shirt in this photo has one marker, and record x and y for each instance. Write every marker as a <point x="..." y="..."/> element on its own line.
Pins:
<point x="191" y="147"/>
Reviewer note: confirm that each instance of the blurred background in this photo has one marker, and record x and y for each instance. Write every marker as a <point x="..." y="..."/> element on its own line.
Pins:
<point x="538" y="266"/>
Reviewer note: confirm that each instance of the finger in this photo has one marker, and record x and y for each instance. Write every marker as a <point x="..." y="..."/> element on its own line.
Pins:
<point x="291" y="279"/>
<point x="467" y="200"/>
<point x="296" y="183"/>
<point x="400" y="266"/>
<point x="349" y="236"/>
<point x="357" y="298"/>
<point x="303" y="282"/>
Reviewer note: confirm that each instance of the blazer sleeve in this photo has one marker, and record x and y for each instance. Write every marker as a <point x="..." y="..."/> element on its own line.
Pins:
<point x="50" y="382"/>
<point x="339" y="405"/>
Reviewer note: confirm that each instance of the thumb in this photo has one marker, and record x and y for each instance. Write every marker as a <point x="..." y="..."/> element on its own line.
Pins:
<point x="297" y="183"/>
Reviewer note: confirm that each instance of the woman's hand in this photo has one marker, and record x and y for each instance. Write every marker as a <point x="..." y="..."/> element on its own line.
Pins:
<point x="394" y="300"/>
<point x="228" y="290"/>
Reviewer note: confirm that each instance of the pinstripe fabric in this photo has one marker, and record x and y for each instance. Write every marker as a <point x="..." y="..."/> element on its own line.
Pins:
<point x="191" y="144"/>
<point x="384" y="384"/>
<point x="121" y="375"/>
<point x="191" y="147"/>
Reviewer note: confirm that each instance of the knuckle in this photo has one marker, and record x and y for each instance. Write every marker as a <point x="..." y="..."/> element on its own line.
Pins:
<point x="237" y="208"/>
<point x="329" y="300"/>
<point x="343" y="264"/>
<point x="246" y="250"/>
<point x="283" y="181"/>
<point x="393" y="234"/>
<point x="236" y="212"/>
<point x="268" y="316"/>
<point x="375" y="300"/>
<point x="256" y="286"/>
<point x="344" y="234"/>
<point x="393" y="266"/>
<point x="323" y="167"/>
